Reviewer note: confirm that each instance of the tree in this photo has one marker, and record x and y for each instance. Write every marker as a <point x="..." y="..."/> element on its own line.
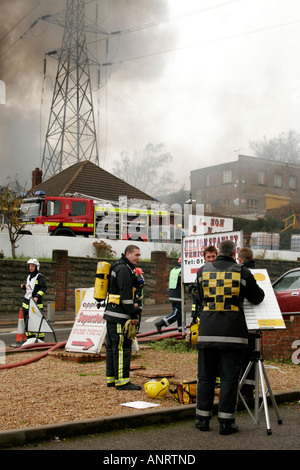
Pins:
<point x="10" y="211"/>
<point x="147" y="170"/>
<point x="285" y="147"/>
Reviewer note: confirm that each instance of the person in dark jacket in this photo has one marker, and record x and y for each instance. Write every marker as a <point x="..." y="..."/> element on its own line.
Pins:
<point x="175" y="299"/>
<point x="223" y="335"/>
<point x="120" y="308"/>
<point x="209" y="254"/>
<point x="34" y="287"/>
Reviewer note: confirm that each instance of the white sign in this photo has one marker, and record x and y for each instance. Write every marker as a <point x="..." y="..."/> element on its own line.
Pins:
<point x="36" y="321"/>
<point x="193" y="248"/>
<point x="266" y="315"/>
<point x="202" y="224"/>
<point x="89" y="329"/>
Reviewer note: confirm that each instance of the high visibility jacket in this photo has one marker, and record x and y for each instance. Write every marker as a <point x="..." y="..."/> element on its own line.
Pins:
<point x="223" y="285"/>
<point x="35" y="286"/>
<point x="175" y="285"/>
<point x="120" y="306"/>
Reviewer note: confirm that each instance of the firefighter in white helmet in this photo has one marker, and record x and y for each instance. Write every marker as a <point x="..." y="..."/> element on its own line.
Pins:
<point x="34" y="287"/>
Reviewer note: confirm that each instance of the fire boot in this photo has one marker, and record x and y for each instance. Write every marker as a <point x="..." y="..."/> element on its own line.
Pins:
<point x="159" y="325"/>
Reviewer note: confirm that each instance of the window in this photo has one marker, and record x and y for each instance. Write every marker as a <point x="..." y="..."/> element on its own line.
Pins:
<point x="292" y="182"/>
<point x="53" y="208"/>
<point x="289" y="281"/>
<point x="78" y="208"/>
<point x="262" y="177"/>
<point x="252" y="205"/>
<point x="277" y="180"/>
<point x="226" y="176"/>
<point x="225" y="203"/>
<point x="207" y="181"/>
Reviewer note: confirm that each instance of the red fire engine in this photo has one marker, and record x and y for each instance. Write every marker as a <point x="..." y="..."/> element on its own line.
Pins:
<point x="72" y="216"/>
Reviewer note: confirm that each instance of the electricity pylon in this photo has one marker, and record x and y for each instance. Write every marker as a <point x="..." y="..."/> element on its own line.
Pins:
<point x="71" y="132"/>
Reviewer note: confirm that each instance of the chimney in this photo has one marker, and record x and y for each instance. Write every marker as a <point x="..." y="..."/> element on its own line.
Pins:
<point x="36" y="177"/>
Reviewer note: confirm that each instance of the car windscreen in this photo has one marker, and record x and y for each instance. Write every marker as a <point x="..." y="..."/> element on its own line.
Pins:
<point x="289" y="281"/>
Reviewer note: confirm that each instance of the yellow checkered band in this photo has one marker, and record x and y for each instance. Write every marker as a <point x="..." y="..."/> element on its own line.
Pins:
<point x="219" y="290"/>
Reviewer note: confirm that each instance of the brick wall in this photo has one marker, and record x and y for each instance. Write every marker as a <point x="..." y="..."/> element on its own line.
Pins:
<point x="277" y="344"/>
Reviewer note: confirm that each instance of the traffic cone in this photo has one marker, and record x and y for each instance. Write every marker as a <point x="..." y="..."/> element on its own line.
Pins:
<point x="21" y="329"/>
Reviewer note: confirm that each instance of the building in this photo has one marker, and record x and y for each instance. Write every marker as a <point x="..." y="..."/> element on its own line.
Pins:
<point x="248" y="186"/>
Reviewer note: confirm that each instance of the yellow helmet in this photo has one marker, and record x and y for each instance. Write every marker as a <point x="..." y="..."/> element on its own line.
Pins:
<point x="155" y="389"/>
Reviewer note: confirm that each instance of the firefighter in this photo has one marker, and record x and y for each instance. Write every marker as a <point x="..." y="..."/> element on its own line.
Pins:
<point x="174" y="298"/>
<point x="119" y="310"/>
<point x="223" y="336"/>
<point x="209" y="254"/>
<point x="34" y="287"/>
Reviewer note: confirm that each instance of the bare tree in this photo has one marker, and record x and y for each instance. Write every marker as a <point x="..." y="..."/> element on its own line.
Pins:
<point x="10" y="212"/>
<point x="148" y="170"/>
<point x="285" y="147"/>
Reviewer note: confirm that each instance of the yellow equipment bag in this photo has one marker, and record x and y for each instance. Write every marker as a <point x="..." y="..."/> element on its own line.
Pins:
<point x="101" y="281"/>
<point x="186" y="392"/>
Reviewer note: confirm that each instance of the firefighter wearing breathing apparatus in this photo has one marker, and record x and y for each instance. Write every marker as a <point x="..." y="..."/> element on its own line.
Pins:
<point x="223" y="336"/>
<point x="35" y="287"/>
<point x="120" y="311"/>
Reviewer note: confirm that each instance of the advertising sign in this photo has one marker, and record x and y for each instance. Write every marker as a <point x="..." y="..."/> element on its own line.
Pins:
<point x="202" y="224"/>
<point x="89" y="329"/>
<point x="193" y="248"/>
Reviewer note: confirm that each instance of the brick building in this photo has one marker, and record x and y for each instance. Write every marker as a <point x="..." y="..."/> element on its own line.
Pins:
<point x="248" y="185"/>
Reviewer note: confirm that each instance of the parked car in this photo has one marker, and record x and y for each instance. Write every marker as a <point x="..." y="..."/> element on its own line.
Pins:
<point x="287" y="291"/>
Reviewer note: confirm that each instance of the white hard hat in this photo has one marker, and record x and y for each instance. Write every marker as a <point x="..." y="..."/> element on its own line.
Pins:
<point x="35" y="262"/>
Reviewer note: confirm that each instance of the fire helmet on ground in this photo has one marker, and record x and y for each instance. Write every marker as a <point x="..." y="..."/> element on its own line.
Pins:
<point x="156" y="389"/>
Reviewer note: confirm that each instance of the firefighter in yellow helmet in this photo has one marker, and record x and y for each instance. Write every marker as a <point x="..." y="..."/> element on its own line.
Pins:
<point x="34" y="287"/>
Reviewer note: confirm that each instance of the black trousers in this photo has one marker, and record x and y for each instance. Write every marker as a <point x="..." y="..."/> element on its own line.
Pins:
<point x="227" y="363"/>
<point x="118" y="355"/>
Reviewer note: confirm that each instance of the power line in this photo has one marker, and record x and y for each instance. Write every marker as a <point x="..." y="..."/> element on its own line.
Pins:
<point x="20" y="21"/>
<point x="203" y="43"/>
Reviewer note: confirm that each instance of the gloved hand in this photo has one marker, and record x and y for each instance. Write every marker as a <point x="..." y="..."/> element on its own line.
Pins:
<point x="129" y="330"/>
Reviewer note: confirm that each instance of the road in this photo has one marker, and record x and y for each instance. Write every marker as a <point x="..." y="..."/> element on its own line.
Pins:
<point x="182" y="438"/>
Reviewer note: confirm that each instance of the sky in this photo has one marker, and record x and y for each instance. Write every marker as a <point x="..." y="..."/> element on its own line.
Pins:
<point x="203" y="77"/>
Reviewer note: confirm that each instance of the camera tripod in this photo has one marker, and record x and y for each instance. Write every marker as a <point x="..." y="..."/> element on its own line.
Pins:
<point x="260" y="375"/>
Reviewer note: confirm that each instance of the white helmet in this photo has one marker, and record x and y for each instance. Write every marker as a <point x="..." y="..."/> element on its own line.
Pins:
<point x="35" y="262"/>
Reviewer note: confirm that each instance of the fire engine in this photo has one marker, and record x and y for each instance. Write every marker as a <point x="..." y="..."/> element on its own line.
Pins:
<point x="73" y="215"/>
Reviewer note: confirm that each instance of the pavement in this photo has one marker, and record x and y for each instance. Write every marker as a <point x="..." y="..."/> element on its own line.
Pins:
<point x="286" y="436"/>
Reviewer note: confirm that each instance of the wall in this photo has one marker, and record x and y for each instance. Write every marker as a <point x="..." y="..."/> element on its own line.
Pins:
<point x="278" y="344"/>
<point x="42" y="246"/>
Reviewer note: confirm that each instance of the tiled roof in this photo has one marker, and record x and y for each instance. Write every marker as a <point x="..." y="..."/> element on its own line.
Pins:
<point x="91" y="180"/>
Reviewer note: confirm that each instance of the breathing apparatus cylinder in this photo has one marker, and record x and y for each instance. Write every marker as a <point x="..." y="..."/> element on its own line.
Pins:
<point x="101" y="281"/>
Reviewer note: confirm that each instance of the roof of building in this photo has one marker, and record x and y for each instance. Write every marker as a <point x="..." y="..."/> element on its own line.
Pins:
<point x="91" y="180"/>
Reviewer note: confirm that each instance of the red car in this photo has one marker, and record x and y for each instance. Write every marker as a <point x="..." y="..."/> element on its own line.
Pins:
<point x="287" y="291"/>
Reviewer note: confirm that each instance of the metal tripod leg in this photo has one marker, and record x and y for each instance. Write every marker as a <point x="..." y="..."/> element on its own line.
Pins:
<point x="260" y="375"/>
